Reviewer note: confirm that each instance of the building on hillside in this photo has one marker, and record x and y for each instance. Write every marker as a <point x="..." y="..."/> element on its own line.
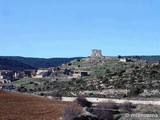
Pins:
<point x="18" y="75"/>
<point x="29" y="73"/>
<point x="123" y="59"/>
<point x="42" y="75"/>
<point x="6" y="74"/>
<point x="42" y="70"/>
<point x="78" y="74"/>
<point x="128" y="59"/>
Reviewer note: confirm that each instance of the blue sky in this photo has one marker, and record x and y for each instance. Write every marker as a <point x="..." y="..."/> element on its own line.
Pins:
<point x="69" y="28"/>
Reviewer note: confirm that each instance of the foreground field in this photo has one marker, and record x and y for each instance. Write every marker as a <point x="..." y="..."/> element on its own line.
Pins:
<point x="15" y="106"/>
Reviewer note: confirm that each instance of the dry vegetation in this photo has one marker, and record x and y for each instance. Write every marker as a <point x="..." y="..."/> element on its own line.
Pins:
<point x="14" y="106"/>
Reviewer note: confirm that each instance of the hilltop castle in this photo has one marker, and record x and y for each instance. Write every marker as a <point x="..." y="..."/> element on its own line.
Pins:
<point x="96" y="53"/>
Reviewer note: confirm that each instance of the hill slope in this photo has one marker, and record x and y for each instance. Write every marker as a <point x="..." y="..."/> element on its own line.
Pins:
<point x="10" y="64"/>
<point x="150" y="58"/>
<point x="21" y="63"/>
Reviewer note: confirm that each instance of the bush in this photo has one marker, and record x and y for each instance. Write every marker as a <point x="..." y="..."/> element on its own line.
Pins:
<point x="83" y="101"/>
<point x="39" y="89"/>
<point x="120" y="83"/>
<point x="31" y="82"/>
<point x="105" y="110"/>
<point x="35" y="84"/>
<point x="134" y="91"/>
<point x="127" y="106"/>
<point x="47" y="87"/>
<point x="105" y="80"/>
<point x="70" y="113"/>
<point x="56" y="95"/>
<point x="42" y="94"/>
<point x="22" y="89"/>
<point x="31" y="90"/>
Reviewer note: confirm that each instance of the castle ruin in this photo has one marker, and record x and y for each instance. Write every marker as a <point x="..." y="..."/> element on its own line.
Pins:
<point x="96" y="53"/>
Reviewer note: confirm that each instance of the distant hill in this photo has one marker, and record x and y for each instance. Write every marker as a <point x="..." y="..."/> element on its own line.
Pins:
<point x="9" y="64"/>
<point x="22" y="63"/>
<point x="150" y="58"/>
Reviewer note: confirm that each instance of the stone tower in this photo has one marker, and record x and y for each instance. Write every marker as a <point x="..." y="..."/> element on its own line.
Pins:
<point x="96" y="53"/>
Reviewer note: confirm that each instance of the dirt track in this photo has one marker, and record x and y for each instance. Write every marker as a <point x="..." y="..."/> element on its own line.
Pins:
<point x="15" y="106"/>
<point x="96" y="100"/>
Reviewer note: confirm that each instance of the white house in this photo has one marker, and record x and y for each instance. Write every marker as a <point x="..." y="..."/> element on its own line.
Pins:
<point x="123" y="59"/>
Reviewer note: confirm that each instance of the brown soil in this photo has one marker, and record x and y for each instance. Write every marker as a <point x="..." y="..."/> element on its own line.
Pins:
<point x="16" y="106"/>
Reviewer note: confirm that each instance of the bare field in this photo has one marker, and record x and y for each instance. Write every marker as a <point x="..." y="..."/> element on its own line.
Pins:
<point x="15" y="106"/>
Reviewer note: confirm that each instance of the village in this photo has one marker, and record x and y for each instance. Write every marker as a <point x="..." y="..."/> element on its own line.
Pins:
<point x="74" y="69"/>
<point x="76" y="78"/>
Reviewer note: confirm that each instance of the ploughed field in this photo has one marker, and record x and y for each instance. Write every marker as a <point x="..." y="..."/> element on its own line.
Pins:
<point x="15" y="106"/>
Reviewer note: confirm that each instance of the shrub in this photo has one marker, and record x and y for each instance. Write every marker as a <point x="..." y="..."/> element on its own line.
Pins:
<point x="127" y="106"/>
<point x="50" y="83"/>
<point x="47" y="87"/>
<point x="120" y="83"/>
<point x="44" y="83"/>
<point x="105" y="110"/>
<point x="30" y="90"/>
<point x="56" y="95"/>
<point x="83" y="101"/>
<point x="42" y="94"/>
<point x="105" y="80"/>
<point x="39" y="89"/>
<point x="35" y="84"/>
<point x="22" y="89"/>
<point x="31" y="82"/>
<point x="35" y="89"/>
<point x="134" y="91"/>
<point x="70" y="113"/>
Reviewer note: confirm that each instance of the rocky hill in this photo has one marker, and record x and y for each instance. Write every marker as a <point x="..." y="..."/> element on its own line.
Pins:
<point x="108" y="78"/>
<point x="113" y="78"/>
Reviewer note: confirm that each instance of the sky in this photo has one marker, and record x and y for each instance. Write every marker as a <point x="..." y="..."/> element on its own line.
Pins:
<point x="71" y="28"/>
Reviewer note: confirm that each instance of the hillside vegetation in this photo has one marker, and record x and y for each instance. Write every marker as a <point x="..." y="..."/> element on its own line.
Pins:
<point x="9" y="64"/>
<point x="118" y="79"/>
<point x="22" y="63"/>
<point x="153" y="58"/>
<point x="111" y="78"/>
